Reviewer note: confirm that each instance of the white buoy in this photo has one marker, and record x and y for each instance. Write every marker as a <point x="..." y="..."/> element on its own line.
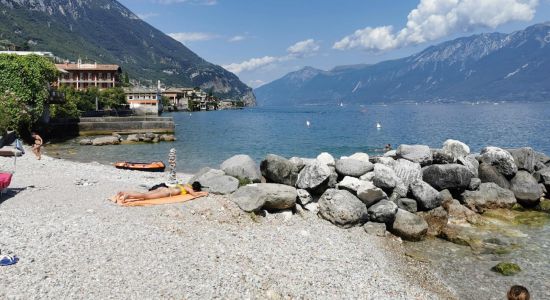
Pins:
<point x="308" y="124"/>
<point x="378" y="125"/>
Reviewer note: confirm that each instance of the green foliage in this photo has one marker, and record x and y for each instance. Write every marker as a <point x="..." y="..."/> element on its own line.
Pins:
<point x="126" y="79"/>
<point x="80" y="101"/>
<point x="165" y="101"/>
<point x="24" y="81"/>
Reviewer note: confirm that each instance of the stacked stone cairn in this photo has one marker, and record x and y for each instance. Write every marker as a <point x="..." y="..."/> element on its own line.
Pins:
<point x="412" y="192"/>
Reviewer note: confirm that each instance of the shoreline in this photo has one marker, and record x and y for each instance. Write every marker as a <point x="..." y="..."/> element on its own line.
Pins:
<point x="73" y="242"/>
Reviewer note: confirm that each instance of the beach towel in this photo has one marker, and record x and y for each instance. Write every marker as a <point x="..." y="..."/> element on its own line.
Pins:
<point x="5" y="180"/>
<point x="158" y="201"/>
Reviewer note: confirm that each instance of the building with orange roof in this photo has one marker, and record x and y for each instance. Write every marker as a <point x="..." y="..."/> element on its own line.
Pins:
<point x="82" y="76"/>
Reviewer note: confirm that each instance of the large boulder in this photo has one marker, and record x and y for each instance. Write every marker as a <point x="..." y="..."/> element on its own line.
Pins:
<point x="326" y="159"/>
<point x="460" y="214"/>
<point x="488" y="173"/>
<point x="304" y="197"/>
<point x="205" y="173"/>
<point x="382" y="212"/>
<point x="525" y="158"/>
<point x="426" y="196"/>
<point x="270" y="196"/>
<point x="501" y="159"/>
<point x="408" y="171"/>
<point x="437" y="219"/>
<point x="385" y="177"/>
<point x="353" y="167"/>
<point x="370" y="194"/>
<point x="351" y="184"/>
<point x="542" y="158"/>
<point x="489" y="196"/>
<point x="542" y="175"/>
<point x="243" y="167"/>
<point x="409" y="226"/>
<point x="342" y="208"/>
<point x="300" y="162"/>
<point x="221" y="185"/>
<point x="313" y="177"/>
<point x="278" y="169"/>
<point x="360" y="156"/>
<point x="106" y="140"/>
<point x="416" y="153"/>
<point x="407" y="204"/>
<point x="83" y="142"/>
<point x="526" y="188"/>
<point x="455" y="149"/>
<point x="451" y="176"/>
<point x="441" y="158"/>
<point x="471" y="163"/>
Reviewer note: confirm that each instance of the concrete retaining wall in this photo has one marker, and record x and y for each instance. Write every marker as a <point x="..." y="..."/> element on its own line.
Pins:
<point x="108" y="125"/>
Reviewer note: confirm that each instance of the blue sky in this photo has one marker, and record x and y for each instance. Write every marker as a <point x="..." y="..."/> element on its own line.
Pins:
<point x="262" y="40"/>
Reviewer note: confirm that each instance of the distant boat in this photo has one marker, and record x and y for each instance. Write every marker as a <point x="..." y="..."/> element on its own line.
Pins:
<point x="378" y="125"/>
<point x="341" y="104"/>
<point x="308" y="124"/>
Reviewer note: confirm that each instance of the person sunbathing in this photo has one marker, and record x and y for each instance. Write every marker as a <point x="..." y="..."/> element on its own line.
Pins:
<point x="194" y="189"/>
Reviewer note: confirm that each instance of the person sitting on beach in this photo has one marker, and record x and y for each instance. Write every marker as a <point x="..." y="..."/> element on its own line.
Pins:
<point x="518" y="292"/>
<point x="387" y="147"/>
<point x="37" y="146"/>
<point x="162" y="192"/>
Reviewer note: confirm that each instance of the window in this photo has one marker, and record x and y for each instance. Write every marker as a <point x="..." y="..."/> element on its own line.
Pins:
<point x="100" y="76"/>
<point x="109" y="76"/>
<point x="130" y="97"/>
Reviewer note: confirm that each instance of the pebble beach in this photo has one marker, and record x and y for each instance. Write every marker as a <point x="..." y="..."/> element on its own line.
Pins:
<point x="73" y="243"/>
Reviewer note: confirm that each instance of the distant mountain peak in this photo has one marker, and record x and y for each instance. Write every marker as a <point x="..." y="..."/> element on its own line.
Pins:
<point x="489" y="66"/>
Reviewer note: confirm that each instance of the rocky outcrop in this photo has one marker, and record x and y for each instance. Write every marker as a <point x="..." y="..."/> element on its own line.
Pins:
<point x="489" y="196"/>
<point x="451" y="176"/>
<point x="342" y="208"/>
<point x="326" y="159"/>
<point x="106" y="140"/>
<point x="351" y="184"/>
<point x="437" y="220"/>
<point x="314" y="177"/>
<point x="304" y="197"/>
<point x="426" y="196"/>
<point x="409" y="226"/>
<point x="221" y="184"/>
<point x="277" y="169"/>
<point x="455" y="149"/>
<point x="501" y="159"/>
<point x="471" y="163"/>
<point x="407" y="171"/>
<point x="526" y="189"/>
<point x="353" y="167"/>
<point x="241" y="166"/>
<point x="488" y="173"/>
<point x="370" y="194"/>
<point x="364" y="157"/>
<point x="441" y="158"/>
<point x="385" y="177"/>
<point x="416" y="153"/>
<point x="407" y="204"/>
<point x="525" y="158"/>
<point x="460" y="214"/>
<point x="383" y="211"/>
<point x="270" y="196"/>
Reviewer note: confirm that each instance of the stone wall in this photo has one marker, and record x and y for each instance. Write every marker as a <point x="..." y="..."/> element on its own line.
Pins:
<point x="108" y="125"/>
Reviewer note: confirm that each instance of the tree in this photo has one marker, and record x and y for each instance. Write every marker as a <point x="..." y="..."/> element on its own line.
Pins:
<point x="112" y="98"/>
<point x="126" y="80"/>
<point x="25" y="83"/>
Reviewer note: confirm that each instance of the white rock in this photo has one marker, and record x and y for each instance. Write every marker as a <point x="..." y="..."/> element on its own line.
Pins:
<point x="326" y="159"/>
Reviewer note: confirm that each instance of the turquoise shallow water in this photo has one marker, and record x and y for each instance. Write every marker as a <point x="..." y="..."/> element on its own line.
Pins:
<point x="208" y="138"/>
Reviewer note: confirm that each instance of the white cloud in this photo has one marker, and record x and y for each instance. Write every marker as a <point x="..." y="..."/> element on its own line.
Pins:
<point x="145" y="16"/>
<point x="303" y="48"/>
<point x="237" y="38"/>
<point x="434" y="19"/>
<point x="184" y="37"/>
<point x="298" y="50"/>
<point x="251" y="64"/>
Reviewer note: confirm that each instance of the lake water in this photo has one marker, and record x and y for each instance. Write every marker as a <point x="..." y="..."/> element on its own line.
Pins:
<point x="208" y="138"/>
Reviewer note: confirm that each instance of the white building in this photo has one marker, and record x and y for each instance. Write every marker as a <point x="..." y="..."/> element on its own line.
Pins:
<point x="144" y="101"/>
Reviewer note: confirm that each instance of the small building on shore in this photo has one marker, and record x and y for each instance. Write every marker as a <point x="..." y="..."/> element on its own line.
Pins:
<point x="144" y="101"/>
<point x="85" y="75"/>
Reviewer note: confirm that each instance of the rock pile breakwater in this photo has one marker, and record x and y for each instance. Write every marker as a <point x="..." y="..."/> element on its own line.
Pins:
<point x="412" y="192"/>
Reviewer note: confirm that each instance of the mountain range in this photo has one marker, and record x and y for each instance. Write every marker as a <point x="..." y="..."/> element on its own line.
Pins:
<point x="107" y="32"/>
<point x="483" y="67"/>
